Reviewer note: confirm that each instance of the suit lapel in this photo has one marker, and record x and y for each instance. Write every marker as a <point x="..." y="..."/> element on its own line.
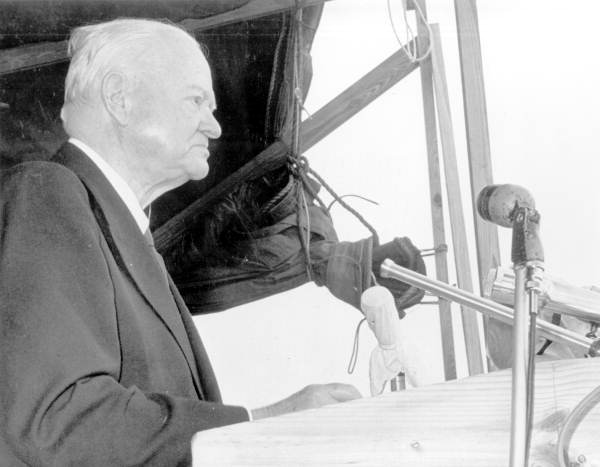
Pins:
<point x="207" y="377"/>
<point x="130" y="248"/>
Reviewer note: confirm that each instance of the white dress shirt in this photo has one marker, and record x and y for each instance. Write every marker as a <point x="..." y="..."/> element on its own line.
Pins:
<point x="121" y="187"/>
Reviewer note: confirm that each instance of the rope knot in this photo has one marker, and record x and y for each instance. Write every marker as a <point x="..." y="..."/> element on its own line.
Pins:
<point x="298" y="165"/>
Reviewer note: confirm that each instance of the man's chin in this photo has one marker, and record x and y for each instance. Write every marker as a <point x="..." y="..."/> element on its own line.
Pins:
<point x="199" y="172"/>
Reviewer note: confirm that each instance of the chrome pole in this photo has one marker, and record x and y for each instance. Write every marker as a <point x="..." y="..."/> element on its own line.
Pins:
<point x="391" y="270"/>
<point x="518" y="419"/>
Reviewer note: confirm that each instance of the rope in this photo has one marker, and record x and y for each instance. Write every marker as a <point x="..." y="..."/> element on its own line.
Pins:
<point x="354" y="355"/>
<point x="298" y="164"/>
<point x="301" y="203"/>
<point x="345" y="205"/>
<point x="309" y="188"/>
<point x="352" y="195"/>
<point x="297" y="66"/>
<point x="271" y="109"/>
<point x="299" y="99"/>
<point x="410" y="35"/>
<point x="304" y="236"/>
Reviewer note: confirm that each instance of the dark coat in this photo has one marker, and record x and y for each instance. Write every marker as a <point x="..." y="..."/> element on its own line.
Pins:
<point x="100" y="364"/>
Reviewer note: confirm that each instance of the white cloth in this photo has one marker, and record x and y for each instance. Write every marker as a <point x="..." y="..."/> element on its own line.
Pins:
<point x="395" y="351"/>
<point x="384" y="364"/>
<point x="121" y="187"/>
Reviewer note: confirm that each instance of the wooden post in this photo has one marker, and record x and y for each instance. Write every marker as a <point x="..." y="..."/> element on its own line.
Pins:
<point x="457" y="219"/>
<point x="480" y="165"/>
<point x="435" y="193"/>
<point x="454" y="424"/>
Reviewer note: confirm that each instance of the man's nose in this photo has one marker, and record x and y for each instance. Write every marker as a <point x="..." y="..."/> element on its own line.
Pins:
<point x="210" y="126"/>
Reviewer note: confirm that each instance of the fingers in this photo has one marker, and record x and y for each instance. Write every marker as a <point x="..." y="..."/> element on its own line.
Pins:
<point x="311" y="397"/>
<point x="343" y="392"/>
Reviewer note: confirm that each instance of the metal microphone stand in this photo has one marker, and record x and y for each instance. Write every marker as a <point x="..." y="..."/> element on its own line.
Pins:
<point x="527" y="257"/>
<point x="391" y="270"/>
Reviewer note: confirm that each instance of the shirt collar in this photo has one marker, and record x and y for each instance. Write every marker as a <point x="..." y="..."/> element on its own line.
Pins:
<point x="121" y="187"/>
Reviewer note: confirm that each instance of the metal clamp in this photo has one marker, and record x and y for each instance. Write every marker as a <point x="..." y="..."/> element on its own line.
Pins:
<point x="442" y="248"/>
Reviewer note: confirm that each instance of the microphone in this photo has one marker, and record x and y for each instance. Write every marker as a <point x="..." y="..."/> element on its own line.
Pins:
<point x="497" y="203"/>
<point x="513" y="206"/>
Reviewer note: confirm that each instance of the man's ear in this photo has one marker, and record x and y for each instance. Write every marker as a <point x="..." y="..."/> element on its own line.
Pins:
<point x="116" y="96"/>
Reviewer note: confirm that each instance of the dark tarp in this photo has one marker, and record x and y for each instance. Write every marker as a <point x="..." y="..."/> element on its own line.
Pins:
<point x="32" y="21"/>
<point x="245" y="246"/>
<point x="271" y="259"/>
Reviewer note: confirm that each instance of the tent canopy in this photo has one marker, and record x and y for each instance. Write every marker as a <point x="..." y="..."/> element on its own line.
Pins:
<point x="252" y="64"/>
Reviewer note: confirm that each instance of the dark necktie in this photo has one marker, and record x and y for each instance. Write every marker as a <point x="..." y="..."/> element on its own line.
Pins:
<point x="157" y="256"/>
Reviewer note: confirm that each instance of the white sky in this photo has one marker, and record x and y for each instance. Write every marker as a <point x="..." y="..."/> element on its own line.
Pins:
<point x="541" y="70"/>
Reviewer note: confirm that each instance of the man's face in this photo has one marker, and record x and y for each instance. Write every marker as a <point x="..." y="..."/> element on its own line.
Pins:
<point x="173" y="117"/>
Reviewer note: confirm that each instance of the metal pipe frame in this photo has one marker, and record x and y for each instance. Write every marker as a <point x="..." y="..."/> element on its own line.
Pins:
<point x="391" y="270"/>
<point x="518" y="413"/>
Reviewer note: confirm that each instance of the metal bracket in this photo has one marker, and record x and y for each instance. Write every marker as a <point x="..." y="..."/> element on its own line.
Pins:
<point x="442" y="248"/>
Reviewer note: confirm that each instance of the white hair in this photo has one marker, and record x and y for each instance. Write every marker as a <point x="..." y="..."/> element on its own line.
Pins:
<point x="120" y="44"/>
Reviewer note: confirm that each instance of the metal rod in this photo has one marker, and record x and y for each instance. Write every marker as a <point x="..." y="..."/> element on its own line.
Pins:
<point x="534" y="294"/>
<point x="391" y="270"/>
<point x="557" y="295"/>
<point x="518" y="413"/>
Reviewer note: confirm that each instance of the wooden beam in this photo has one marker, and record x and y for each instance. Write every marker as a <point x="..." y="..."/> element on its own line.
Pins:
<point x="312" y="130"/>
<point x="478" y="141"/>
<point x="457" y="219"/>
<point x="453" y="424"/>
<point x="47" y="53"/>
<point x="251" y="10"/>
<point x="32" y="55"/>
<point x="436" y="201"/>
<point x="480" y="165"/>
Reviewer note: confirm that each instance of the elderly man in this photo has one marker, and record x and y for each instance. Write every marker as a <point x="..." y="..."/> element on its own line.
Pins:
<point x="100" y="361"/>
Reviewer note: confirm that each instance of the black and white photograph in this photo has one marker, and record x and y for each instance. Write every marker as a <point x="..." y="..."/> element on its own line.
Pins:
<point x="299" y="233"/>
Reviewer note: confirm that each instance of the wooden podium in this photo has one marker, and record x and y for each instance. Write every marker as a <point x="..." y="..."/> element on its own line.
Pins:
<point x="458" y="423"/>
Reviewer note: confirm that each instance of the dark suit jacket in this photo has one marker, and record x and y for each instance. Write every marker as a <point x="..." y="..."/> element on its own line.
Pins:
<point x="100" y="364"/>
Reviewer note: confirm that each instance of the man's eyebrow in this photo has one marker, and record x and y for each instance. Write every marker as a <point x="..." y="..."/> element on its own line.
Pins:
<point x="197" y="88"/>
<point x="205" y="94"/>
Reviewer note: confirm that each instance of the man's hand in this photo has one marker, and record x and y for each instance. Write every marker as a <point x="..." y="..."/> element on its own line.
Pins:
<point x="311" y="397"/>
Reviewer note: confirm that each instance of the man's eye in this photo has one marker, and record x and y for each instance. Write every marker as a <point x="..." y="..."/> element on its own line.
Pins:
<point x="199" y="100"/>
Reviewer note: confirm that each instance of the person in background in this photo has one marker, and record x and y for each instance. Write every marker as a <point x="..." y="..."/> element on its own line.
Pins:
<point x="100" y="361"/>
